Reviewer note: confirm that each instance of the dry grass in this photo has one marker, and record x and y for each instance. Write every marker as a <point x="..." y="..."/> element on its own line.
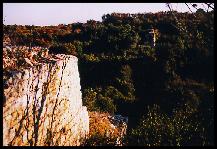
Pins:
<point x="100" y="123"/>
<point x="102" y="131"/>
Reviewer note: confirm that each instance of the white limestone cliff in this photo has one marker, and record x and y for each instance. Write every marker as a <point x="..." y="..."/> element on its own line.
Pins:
<point x="43" y="105"/>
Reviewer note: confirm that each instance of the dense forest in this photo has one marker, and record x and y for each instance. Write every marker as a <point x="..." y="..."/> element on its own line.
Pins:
<point x="166" y="89"/>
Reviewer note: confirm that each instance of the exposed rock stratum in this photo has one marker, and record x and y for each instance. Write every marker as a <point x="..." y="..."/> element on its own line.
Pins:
<point x="43" y="105"/>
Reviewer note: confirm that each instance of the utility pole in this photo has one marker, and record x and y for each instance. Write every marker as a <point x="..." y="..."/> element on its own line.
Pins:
<point x="30" y="44"/>
<point x="4" y="20"/>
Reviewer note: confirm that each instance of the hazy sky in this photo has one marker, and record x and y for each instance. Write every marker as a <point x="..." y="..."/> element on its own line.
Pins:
<point x="66" y="13"/>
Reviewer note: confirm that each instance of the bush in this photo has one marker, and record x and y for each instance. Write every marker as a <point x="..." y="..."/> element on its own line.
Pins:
<point x="91" y="58"/>
<point x="98" y="100"/>
<point x="125" y="84"/>
<point x="158" y="129"/>
<point x="100" y="140"/>
<point x="67" y="48"/>
<point x="89" y="97"/>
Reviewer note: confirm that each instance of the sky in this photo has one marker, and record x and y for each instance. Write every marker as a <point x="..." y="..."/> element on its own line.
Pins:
<point x="44" y="14"/>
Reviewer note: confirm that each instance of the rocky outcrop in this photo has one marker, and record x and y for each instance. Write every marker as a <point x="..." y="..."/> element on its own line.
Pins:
<point x="120" y="122"/>
<point x="112" y="128"/>
<point x="43" y="105"/>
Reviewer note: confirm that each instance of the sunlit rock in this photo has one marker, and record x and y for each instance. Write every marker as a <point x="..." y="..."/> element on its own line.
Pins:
<point x="43" y="105"/>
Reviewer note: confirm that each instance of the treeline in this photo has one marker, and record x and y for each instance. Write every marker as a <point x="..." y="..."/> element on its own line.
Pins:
<point x="166" y="90"/>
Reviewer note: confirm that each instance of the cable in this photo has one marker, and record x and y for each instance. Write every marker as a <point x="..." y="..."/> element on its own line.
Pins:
<point x="179" y="27"/>
<point x="188" y="7"/>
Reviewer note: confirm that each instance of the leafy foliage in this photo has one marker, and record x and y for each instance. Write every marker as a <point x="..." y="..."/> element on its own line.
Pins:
<point x="98" y="100"/>
<point x="122" y="72"/>
<point x="158" y="129"/>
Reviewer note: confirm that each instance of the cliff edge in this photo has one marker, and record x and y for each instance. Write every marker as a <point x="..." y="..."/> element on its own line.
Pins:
<point x="43" y="105"/>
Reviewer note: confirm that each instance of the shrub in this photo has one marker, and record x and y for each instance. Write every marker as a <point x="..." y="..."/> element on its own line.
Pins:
<point x="97" y="139"/>
<point x="67" y="48"/>
<point x="98" y="100"/>
<point x="125" y="84"/>
<point x="158" y="129"/>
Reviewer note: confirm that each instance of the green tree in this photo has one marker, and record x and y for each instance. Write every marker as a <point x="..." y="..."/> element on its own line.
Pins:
<point x="125" y="84"/>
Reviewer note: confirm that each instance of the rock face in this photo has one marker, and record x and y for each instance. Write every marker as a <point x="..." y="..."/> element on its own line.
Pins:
<point x="43" y="105"/>
<point x="120" y="122"/>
